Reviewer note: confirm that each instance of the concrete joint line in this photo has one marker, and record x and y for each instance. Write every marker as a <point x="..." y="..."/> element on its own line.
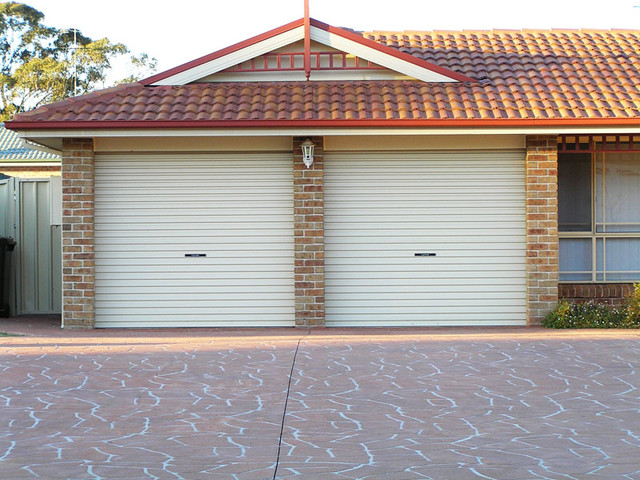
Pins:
<point x="284" y="412"/>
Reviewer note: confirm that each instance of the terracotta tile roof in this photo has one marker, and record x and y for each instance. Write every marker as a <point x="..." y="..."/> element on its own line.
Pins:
<point x="566" y="75"/>
<point x="554" y="73"/>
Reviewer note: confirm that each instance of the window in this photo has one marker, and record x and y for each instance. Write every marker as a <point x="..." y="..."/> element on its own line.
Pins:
<point x="599" y="209"/>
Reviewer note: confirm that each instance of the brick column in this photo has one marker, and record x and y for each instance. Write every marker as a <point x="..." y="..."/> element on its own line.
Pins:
<point x="308" y="200"/>
<point x="78" y="259"/>
<point x="542" y="226"/>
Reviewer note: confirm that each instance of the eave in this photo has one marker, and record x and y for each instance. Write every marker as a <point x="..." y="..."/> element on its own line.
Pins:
<point x="54" y="133"/>
<point x="343" y="123"/>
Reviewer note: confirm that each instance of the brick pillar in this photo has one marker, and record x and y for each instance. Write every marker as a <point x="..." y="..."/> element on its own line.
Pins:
<point x="308" y="195"/>
<point x="78" y="259"/>
<point x="542" y="226"/>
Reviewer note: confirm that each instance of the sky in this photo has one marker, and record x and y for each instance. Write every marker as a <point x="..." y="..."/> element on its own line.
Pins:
<point x="175" y="32"/>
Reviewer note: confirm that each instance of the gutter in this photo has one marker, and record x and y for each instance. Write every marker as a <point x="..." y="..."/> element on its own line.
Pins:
<point x="368" y="123"/>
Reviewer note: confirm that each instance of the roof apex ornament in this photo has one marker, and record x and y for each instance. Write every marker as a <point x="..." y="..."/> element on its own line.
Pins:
<point x="307" y="40"/>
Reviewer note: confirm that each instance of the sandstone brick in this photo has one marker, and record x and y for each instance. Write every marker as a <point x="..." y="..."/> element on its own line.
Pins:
<point x="542" y="226"/>
<point x="309" y="236"/>
<point x="78" y="259"/>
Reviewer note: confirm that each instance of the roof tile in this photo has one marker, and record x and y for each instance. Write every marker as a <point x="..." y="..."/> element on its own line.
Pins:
<point x="522" y="74"/>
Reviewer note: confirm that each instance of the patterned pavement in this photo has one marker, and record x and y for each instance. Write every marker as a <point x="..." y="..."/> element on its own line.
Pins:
<point x="399" y="404"/>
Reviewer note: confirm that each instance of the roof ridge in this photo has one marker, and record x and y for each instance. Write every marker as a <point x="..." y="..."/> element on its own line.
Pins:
<point x="180" y="73"/>
<point x="503" y="30"/>
<point x="213" y="55"/>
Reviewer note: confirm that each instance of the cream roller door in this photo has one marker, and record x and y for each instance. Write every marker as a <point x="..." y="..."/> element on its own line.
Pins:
<point x="194" y="240"/>
<point x="429" y="238"/>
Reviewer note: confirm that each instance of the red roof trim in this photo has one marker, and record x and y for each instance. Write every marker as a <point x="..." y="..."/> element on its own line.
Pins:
<point x="391" y="51"/>
<point x="221" y="53"/>
<point x="318" y="24"/>
<point x="390" y="123"/>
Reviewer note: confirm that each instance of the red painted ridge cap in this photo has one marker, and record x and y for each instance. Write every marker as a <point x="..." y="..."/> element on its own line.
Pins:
<point x="391" y="123"/>
<point x="221" y="53"/>
<point x="318" y="24"/>
<point x="391" y="51"/>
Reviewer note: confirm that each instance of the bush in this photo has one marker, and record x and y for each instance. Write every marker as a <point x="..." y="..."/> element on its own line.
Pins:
<point x="587" y="315"/>
<point x="593" y="315"/>
<point x="633" y="306"/>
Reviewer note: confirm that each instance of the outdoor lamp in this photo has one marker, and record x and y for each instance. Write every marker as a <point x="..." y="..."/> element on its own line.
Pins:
<point x="307" y="152"/>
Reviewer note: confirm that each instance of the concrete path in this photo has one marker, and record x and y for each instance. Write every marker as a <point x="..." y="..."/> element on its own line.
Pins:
<point x="394" y="404"/>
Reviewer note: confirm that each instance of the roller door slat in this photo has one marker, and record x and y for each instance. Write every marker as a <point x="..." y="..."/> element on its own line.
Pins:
<point x="468" y="208"/>
<point x="236" y="209"/>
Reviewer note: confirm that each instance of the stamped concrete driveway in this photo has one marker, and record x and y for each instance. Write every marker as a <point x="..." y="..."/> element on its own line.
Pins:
<point x="324" y="404"/>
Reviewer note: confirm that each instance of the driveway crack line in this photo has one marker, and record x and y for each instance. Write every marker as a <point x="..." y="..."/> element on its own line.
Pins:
<point x="284" y="413"/>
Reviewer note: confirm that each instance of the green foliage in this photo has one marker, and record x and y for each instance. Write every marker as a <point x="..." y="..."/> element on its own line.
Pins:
<point x="593" y="315"/>
<point x="140" y="67"/>
<point x="40" y="80"/>
<point x="633" y="306"/>
<point x="22" y="35"/>
<point x="40" y="64"/>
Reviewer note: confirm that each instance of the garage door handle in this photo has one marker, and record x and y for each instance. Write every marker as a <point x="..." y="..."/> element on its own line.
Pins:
<point x="425" y="254"/>
<point x="195" y="254"/>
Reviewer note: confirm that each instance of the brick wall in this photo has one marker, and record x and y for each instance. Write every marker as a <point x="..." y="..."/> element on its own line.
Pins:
<point x="78" y="262"/>
<point x="606" y="293"/>
<point x="542" y="225"/>
<point x="31" y="172"/>
<point x="308" y="200"/>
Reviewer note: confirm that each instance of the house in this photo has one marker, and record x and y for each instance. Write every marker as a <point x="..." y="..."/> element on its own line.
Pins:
<point x="457" y="178"/>
<point x="17" y="160"/>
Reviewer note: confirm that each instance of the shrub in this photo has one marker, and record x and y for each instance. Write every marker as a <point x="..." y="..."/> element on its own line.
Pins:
<point x="593" y="315"/>
<point x="633" y="306"/>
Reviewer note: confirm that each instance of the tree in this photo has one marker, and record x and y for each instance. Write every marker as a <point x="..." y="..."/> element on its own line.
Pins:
<point x="40" y="64"/>
<point x="141" y="66"/>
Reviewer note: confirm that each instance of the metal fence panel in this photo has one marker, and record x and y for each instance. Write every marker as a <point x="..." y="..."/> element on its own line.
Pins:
<point x="35" y="270"/>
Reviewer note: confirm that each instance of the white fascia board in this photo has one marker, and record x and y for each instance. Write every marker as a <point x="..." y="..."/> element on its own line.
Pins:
<point x="377" y="57"/>
<point x="232" y="59"/>
<point x="34" y="135"/>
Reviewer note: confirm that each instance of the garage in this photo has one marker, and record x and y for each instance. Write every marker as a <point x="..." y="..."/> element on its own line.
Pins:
<point x="386" y="180"/>
<point x="425" y="238"/>
<point x="194" y="240"/>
